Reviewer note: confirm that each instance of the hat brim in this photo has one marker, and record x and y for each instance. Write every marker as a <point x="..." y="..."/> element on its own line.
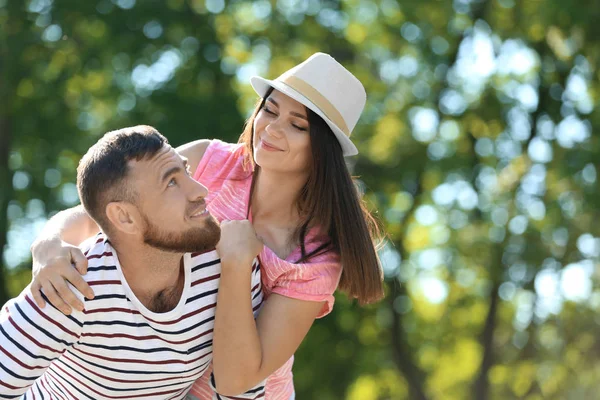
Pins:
<point x="261" y="87"/>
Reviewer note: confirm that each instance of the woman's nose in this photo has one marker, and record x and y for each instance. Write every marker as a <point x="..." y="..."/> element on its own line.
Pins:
<point x="274" y="129"/>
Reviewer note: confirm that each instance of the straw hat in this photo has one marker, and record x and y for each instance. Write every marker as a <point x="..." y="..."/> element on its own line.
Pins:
<point x="325" y="87"/>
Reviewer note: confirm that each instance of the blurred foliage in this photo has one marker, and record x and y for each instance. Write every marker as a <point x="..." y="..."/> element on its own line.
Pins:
<point x="477" y="148"/>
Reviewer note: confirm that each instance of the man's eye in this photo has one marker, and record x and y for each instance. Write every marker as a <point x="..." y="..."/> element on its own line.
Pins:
<point x="172" y="182"/>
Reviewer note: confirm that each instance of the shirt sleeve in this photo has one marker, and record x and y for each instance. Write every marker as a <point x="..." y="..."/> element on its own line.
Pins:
<point x="30" y="339"/>
<point x="221" y="162"/>
<point x="312" y="282"/>
<point x="257" y="392"/>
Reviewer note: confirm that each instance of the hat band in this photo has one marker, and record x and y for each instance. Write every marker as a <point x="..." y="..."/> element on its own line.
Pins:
<point x="317" y="99"/>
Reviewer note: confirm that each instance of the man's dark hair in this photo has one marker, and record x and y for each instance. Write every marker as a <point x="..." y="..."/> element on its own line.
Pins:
<point x="102" y="171"/>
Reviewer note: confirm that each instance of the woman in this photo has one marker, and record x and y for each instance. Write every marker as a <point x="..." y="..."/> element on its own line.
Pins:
<point x="288" y="176"/>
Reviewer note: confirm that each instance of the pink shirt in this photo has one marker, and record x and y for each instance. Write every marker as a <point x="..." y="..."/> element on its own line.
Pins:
<point x="222" y="171"/>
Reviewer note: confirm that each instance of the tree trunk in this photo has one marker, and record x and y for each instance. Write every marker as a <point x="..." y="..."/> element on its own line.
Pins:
<point x="6" y="188"/>
<point x="402" y="354"/>
<point x="481" y="387"/>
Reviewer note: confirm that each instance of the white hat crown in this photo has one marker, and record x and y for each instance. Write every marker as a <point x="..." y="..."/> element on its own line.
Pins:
<point x="327" y="88"/>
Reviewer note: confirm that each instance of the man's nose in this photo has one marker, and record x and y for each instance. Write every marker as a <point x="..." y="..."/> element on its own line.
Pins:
<point x="199" y="190"/>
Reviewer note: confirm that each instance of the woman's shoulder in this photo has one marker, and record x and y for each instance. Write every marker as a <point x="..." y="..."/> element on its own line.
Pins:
<point x="318" y="275"/>
<point x="313" y="280"/>
<point x="222" y="160"/>
<point x="219" y="151"/>
<point x="222" y="148"/>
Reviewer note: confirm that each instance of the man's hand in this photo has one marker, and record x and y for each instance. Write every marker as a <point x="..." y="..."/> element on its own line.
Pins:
<point x="53" y="262"/>
<point x="239" y="243"/>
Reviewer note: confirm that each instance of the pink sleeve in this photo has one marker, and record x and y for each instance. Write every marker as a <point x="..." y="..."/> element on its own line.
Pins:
<point x="312" y="282"/>
<point x="221" y="161"/>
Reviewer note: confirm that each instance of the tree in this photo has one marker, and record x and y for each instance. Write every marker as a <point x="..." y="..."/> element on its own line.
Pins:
<point x="477" y="150"/>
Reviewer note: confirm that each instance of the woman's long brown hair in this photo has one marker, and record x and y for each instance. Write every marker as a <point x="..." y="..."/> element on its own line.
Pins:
<point x="330" y="201"/>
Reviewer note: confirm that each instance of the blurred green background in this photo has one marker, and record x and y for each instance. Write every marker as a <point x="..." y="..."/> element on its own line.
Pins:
<point x="476" y="148"/>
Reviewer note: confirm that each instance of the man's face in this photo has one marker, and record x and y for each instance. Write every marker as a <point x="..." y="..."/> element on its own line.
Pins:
<point x="172" y="204"/>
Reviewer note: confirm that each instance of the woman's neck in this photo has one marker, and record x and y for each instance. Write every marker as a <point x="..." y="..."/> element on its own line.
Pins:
<point x="274" y="199"/>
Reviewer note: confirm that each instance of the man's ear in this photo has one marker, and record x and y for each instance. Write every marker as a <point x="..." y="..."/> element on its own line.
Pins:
<point x="124" y="217"/>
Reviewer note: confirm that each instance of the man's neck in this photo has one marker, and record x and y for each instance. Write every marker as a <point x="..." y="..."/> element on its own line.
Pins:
<point x="156" y="277"/>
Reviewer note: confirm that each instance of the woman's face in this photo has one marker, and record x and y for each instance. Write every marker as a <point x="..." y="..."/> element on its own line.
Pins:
<point x="281" y="135"/>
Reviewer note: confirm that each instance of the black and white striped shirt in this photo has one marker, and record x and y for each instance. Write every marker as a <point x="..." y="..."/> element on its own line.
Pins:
<point x="116" y="348"/>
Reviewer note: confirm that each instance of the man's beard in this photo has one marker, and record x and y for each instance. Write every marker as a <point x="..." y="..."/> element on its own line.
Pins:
<point x="198" y="239"/>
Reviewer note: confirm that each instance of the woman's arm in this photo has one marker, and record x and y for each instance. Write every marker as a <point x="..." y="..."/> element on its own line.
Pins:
<point x="72" y="225"/>
<point x="194" y="151"/>
<point x="246" y="351"/>
<point x="54" y="254"/>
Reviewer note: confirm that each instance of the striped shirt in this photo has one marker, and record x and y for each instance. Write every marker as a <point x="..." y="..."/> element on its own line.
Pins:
<point x="116" y="348"/>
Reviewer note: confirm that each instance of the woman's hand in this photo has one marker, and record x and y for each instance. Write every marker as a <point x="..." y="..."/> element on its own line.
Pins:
<point x="246" y="351"/>
<point x="55" y="263"/>
<point x="239" y="244"/>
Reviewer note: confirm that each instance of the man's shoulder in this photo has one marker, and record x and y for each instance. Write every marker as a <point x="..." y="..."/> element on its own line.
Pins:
<point x="99" y="241"/>
<point x="102" y="259"/>
<point x="203" y="259"/>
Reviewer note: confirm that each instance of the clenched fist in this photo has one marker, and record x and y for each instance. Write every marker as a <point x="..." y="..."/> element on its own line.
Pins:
<point x="239" y="243"/>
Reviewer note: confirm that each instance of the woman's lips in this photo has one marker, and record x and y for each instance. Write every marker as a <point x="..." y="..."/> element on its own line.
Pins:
<point x="269" y="147"/>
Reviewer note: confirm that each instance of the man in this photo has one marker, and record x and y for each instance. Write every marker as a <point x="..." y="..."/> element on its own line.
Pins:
<point x="147" y="334"/>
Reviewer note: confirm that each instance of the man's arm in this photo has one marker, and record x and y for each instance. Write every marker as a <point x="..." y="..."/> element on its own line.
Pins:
<point x="30" y="339"/>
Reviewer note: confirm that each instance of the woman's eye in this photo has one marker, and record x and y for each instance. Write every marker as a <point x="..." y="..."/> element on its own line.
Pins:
<point x="172" y="182"/>
<point x="268" y="111"/>
<point x="299" y="128"/>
